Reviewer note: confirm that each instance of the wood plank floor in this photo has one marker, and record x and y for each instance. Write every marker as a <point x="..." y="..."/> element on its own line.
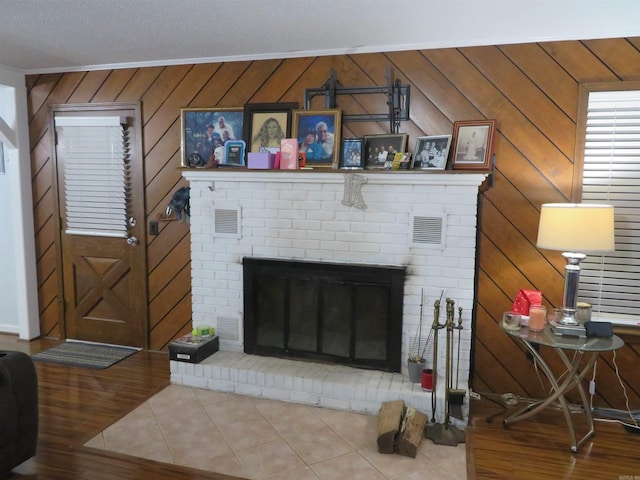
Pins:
<point x="76" y="404"/>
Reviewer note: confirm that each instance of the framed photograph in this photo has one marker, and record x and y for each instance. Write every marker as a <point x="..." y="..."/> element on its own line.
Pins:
<point x="380" y="150"/>
<point x="473" y="144"/>
<point x="265" y="124"/>
<point x="351" y="154"/>
<point x="205" y="129"/>
<point x="318" y="135"/>
<point x="432" y="152"/>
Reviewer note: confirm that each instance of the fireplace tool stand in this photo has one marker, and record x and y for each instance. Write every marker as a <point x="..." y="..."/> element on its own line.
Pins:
<point x="445" y="433"/>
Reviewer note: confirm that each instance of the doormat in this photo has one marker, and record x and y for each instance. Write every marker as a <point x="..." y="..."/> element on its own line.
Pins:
<point x="87" y="355"/>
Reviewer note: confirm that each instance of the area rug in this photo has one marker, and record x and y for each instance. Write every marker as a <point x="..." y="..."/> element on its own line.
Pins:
<point x="83" y="354"/>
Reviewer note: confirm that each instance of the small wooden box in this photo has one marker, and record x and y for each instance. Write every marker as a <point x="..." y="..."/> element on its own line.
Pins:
<point x="193" y="349"/>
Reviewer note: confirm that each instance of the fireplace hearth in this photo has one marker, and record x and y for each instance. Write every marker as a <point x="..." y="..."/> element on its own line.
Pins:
<point x="335" y="313"/>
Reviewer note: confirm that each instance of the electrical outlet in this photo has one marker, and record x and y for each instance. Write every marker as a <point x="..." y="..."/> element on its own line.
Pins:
<point x="153" y="227"/>
<point x="592" y="387"/>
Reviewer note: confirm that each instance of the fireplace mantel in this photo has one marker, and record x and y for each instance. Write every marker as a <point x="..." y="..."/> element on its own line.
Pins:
<point x="449" y="178"/>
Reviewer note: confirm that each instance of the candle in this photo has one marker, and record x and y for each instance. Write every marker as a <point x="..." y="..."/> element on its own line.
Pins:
<point x="537" y="317"/>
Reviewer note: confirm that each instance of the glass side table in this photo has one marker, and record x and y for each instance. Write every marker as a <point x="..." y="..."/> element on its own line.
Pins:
<point x="586" y="349"/>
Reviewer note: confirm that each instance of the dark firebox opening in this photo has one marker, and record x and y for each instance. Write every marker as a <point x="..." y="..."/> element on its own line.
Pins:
<point x="337" y="313"/>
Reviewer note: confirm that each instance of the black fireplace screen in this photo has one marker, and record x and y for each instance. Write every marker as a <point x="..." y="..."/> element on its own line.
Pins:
<point x="338" y="313"/>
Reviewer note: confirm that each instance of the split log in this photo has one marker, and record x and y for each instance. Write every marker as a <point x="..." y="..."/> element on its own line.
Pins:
<point x="411" y="432"/>
<point x="389" y="419"/>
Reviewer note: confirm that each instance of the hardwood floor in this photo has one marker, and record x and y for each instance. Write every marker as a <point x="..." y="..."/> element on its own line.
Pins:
<point x="538" y="448"/>
<point x="76" y="404"/>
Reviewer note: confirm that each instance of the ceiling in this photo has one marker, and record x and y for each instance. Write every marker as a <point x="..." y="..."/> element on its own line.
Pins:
<point x="40" y="36"/>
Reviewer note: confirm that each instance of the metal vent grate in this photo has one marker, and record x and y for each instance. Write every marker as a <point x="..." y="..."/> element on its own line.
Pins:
<point x="228" y="329"/>
<point x="226" y="222"/>
<point x="428" y="230"/>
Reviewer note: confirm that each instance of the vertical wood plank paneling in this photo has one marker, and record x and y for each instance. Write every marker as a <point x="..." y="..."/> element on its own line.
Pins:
<point x="531" y="89"/>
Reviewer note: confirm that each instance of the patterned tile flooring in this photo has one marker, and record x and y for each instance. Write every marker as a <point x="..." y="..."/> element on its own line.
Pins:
<point x="263" y="439"/>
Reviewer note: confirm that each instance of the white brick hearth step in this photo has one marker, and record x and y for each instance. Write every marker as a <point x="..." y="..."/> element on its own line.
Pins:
<point x="309" y="383"/>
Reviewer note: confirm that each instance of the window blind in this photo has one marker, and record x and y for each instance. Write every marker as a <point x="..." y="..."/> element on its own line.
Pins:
<point x="612" y="176"/>
<point x="96" y="171"/>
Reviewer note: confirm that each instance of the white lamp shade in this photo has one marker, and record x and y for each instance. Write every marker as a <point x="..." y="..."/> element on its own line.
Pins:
<point x="576" y="227"/>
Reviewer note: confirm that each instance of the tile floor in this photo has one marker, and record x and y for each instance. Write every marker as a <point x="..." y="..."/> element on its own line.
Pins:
<point x="264" y="439"/>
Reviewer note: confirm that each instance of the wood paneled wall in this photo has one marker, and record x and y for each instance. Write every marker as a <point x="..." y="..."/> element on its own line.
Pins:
<point x="531" y="89"/>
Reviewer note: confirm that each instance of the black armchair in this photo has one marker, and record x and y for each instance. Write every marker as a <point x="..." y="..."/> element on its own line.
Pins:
<point x="18" y="410"/>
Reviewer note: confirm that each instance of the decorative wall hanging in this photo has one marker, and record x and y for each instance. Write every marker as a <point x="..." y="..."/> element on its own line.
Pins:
<point x="353" y="191"/>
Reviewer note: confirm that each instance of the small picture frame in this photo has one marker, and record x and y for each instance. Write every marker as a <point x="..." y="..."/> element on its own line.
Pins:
<point x="351" y="154"/>
<point x="266" y="124"/>
<point x="431" y="152"/>
<point x="318" y="135"/>
<point x="379" y="150"/>
<point x="472" y="144"/>
<point x="235" y="153"/>
<point x="205" y="129"/>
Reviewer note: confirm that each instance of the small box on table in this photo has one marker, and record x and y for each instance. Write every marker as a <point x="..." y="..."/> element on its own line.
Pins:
<point x="193" y="349"/>
<point x="261" y="160"/>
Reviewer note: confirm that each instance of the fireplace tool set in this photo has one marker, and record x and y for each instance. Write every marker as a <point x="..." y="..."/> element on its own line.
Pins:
<point x="445" y="433"/>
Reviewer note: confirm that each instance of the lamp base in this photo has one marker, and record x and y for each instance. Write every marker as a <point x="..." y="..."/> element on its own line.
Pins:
<point x="568" y="330"/>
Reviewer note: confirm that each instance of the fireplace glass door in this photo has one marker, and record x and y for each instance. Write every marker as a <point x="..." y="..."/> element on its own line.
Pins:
<point x="346" y="314"/>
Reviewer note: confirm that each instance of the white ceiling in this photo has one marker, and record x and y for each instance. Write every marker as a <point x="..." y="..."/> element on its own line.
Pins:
<point x="39" y="36"/>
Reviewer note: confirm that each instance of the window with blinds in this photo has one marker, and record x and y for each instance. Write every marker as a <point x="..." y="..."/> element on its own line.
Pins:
<point x="612" y="176"/>
<point x="96" y="171"/>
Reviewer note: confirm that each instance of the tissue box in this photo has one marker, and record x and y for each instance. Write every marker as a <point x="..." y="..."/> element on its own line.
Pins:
<point x="261" y="160"/>
<point x="192" y="349"/>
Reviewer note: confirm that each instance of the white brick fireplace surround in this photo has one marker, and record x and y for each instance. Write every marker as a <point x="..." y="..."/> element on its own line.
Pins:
<point x="305" y="215"/>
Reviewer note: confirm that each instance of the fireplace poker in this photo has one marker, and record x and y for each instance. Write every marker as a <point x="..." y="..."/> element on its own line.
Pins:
<point x="456" y="396"/>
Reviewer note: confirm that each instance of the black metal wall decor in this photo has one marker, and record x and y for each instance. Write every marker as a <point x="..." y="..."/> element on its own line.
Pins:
<point x="397" y="100"/>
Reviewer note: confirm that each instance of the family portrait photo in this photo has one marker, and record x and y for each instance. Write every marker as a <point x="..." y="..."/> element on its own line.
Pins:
<point x="351" y="156"/>
<point x="380" y="149"/>
<point x="432" y="152"/>
<point x="318" y="135"/>
<point x="205" y="132"/>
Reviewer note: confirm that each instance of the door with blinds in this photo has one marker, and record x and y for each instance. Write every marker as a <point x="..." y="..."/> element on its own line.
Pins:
<point x="100" y="190"/>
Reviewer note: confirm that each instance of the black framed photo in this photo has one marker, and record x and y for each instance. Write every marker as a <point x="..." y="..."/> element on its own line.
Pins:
<point x="318" y="135"/>
<point x="380" y="150"/>
<point x="432" y="152"/>
<point x="265" y="124"/>
<point x="351" y="154"/>
<point x="205" y="129"/>
<point x="473" y="144"/>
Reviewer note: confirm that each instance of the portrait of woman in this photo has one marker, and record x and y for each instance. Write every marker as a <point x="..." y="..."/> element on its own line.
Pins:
<point x="268" y="133"/>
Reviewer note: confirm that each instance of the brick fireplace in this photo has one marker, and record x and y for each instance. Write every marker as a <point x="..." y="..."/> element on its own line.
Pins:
<point x="423" y="222"/>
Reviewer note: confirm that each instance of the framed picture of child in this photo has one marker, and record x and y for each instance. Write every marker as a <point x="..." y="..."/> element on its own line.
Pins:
<point x="473" y="144"/>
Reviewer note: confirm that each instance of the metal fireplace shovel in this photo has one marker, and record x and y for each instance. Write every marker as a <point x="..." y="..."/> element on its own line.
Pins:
<point x="456" y="395"/>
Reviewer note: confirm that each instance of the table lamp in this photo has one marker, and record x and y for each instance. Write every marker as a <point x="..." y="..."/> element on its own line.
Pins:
<point x="574" y="228"/>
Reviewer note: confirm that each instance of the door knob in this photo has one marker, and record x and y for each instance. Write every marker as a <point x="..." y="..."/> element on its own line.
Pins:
<point x="132" y="241"/>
